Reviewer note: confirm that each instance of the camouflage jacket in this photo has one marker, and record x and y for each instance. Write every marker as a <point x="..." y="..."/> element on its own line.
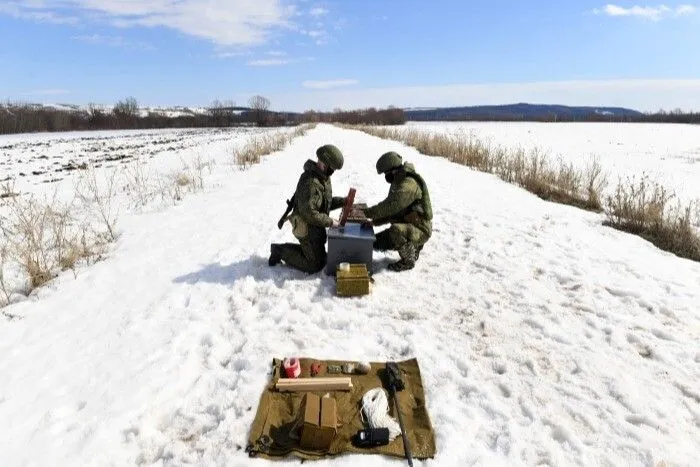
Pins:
<point x="408" y="201"/>
<point x="313" y="198"/>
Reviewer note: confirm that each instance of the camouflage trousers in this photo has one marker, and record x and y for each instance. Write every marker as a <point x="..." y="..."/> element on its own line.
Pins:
<point x="309" y="255"/>
<point x="398" y="235"/>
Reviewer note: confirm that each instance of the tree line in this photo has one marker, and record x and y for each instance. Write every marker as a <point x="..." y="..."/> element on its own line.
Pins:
<point x="126" y="114"/>
<point x="661" y="116"/>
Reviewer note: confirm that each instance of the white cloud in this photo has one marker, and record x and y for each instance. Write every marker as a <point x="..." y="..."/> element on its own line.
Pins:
<point x="224" y="22"/>
<point x="319" y="36"/>
<point x="316" y="33"/>
<point x="113" y="41"/>
<point x="319" y="11"/>
<point x="649" y="12"/>
<point x="643" y="95"/>
<point x="329" y="84"/>
<point x="685" y="10"/>
<point x="276" y="53"/>
<point x="269" y="62"/>
<point x="278" y="61"/>
<point x="28" y="11"/>
<point x="231" y="54"/>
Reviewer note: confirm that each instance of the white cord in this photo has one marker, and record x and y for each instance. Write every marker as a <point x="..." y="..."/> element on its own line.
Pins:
<point x="375" y="405"/>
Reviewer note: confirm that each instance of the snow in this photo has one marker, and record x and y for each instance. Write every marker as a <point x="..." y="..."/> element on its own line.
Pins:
<point x="668" y="153"/>
<point x="543" y="337"/>
<point x="36" y="162"/>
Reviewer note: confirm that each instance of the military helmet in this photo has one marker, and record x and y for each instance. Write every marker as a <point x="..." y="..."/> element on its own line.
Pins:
<point x="331" y="156"/>
<point x="388" y="161"/>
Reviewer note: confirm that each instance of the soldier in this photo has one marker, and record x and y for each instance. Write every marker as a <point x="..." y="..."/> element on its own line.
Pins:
<point x="407" y="208"/>
<point x="312" y="202"/>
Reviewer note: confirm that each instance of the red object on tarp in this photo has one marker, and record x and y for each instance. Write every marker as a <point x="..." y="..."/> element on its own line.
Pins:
<point x="347" y="207"/>
<point x="292" y="367"/>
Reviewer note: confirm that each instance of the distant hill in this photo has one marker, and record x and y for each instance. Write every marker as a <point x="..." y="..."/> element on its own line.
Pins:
<point x="519" y="111"/>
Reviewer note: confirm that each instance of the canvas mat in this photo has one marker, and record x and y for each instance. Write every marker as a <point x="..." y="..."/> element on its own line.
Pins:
<point x="274" y="433"/>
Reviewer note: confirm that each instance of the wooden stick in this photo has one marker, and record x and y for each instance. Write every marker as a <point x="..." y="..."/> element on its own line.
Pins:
<point x="341" y="383"/>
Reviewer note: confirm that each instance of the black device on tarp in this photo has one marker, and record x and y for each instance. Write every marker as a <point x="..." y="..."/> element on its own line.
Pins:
<point x="371" y="437"/>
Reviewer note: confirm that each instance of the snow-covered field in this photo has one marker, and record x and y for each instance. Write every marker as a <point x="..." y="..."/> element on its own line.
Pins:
<point x="39" y="162"/>
<point x="668" y="153"/>
<point x="543" y="337"/>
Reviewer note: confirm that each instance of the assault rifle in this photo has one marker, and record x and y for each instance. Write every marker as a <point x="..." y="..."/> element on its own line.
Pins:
<point x="395" y="383"/>
<point x="290" y="206"/>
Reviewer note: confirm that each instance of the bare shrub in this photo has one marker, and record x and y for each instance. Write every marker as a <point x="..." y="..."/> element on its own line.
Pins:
<point x="99" y="198"/>
<point x="510" y="165"/>
<point x="138" y="183"/>
<point x="536" y="175"/>
<point x="637" y="205"/>
<point x="595" y="182"/>
<point x="38" y="237"/>
<point x="196" y="171"/>
<point x="644" y="208"/>
<point x="7" y="190"/>
<point x="568" y="178"/>
<point x="189" y="178"/>
<point x="4" y="287"/>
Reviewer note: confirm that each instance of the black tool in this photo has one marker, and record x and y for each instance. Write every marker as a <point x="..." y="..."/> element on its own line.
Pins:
<point x="371" y="437"/>
<point x="395" y="383"/>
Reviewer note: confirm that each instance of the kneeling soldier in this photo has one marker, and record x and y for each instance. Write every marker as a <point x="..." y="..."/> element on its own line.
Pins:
<point x="312" y="201"/>
<point x="407" y="208"/>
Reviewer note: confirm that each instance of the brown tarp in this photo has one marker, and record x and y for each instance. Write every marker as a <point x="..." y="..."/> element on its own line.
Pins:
<point x="274" y="433"/>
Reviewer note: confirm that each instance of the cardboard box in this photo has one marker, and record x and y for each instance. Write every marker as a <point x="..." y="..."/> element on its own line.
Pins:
<point x="319" y="426"/>
<point x="353" y="282"/>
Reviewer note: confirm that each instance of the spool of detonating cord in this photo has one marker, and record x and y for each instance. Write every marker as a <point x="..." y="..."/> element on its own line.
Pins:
<point x="375" y="406"/>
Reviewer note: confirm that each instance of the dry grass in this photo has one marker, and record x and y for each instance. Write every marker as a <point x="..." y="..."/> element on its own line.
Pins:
<point x="38" y="236"/>
<point x="98" y="197"/>
<point x="142" y="186"/>
<point x="43" y="236"/>
<point x="189" y="178"/>
<point x="7" y="190"/>
<point x="645" y="208"/>
<point x="260" y="145"/>
<point x="138" y="183"/>
<point x="534" y="170"/>
<point x="642" y="208"/>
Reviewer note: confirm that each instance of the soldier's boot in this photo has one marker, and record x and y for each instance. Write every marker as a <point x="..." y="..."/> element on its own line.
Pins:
<point x="383" y="241"/>
<point x="418" y="250"/>
<point x="407" y="252"/>
<point x="275" y="255"/>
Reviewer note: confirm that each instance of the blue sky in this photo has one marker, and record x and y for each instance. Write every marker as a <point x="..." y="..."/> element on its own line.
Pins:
<point x="308" y="54"/>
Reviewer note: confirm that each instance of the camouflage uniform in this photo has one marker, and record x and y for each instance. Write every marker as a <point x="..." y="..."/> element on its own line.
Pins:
<point x="407" y="208"/>
<point x="313" y="201"/>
